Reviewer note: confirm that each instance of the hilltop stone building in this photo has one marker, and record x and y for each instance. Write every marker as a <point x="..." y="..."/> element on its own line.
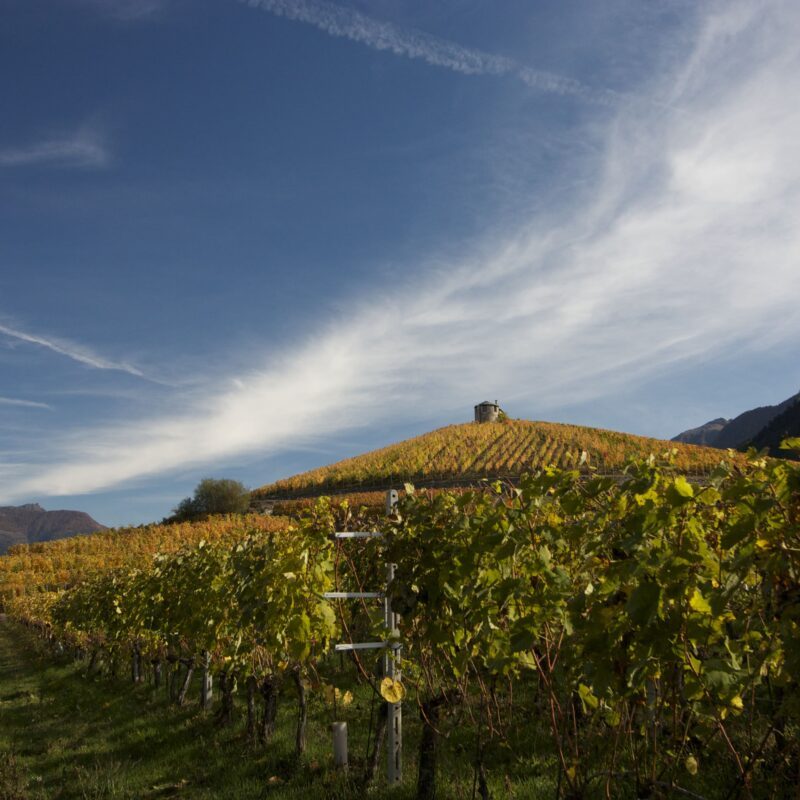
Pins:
<point x="487" y="412"/>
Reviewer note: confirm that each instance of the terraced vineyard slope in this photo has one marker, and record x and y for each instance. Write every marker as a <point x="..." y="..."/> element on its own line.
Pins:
<point x="61" y="563"/>
<point x="461" y="453"/>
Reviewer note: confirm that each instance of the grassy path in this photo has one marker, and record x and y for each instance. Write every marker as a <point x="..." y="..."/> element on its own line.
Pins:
<point x="65" y="736"/>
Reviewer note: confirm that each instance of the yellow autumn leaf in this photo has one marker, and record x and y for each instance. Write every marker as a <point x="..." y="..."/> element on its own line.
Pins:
<point x="699" y="603"/>
<point x="737" y="702"/>
<point x="334" y="695"/>
<point x="691" y="765"/>
<point x="392" y="691"/>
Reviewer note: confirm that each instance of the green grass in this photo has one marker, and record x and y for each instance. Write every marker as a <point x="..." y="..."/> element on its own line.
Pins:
<point x="63" y="735"/>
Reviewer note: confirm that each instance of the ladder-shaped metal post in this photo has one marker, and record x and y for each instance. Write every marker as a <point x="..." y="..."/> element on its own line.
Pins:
<point x="391" y="661"/>
<point x="391" y="669"/>
<point x="394" y="711"/>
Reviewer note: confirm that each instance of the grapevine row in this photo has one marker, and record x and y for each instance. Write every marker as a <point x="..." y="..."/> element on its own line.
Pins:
<point x="487" y="450"/>
<point x="651" y="624"/>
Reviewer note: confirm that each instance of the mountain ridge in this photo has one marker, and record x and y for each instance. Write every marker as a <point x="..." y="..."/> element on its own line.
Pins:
<point x="784" y="426"/>
<point x="31" y="523"/>
<point x="739" y="431"/>
<point x="703" y="435"/>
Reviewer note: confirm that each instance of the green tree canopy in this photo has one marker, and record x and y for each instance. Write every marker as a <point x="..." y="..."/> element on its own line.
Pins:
<point x="213" y="496"/>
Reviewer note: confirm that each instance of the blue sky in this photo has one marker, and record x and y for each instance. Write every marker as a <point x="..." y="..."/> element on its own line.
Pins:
<point x="243" y="239"/>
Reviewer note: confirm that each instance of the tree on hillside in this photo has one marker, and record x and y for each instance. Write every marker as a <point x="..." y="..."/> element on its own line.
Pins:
<point x="213" y="496"/>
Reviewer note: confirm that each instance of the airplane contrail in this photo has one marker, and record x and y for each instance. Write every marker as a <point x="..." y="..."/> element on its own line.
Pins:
<point x="415" y="44"/>
<point x="70" y="350"/>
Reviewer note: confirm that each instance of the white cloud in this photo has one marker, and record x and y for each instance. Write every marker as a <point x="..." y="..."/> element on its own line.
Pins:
<point x="84" y="148"/>
<point x="75" y="352"/>
<point x="13" y="401"/>
<point x="686" y="249"/>
<point x="350" y="24"/>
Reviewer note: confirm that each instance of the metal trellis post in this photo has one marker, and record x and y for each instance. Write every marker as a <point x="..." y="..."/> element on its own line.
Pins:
<point x="391" y="669"/>
<point x="391" y="661"/>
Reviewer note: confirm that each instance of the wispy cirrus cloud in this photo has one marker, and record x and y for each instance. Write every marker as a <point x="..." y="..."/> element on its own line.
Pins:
<point x="72" y="350"/>
<point x="685" y="250"/>
<point x="14" y="401"/>
<point x="415" y="44"/>
<point x="85" y="148"/>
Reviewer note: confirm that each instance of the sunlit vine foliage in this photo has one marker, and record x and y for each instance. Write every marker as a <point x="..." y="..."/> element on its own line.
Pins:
<point x="58" y="564"/>
<point x="651" y="623"/>
<point x="508" y="448"/>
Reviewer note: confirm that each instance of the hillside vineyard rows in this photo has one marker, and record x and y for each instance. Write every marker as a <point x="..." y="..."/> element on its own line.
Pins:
<point x="57" y="565"/>
<point x="649" y="625"/>
<point x="499" y="449"/>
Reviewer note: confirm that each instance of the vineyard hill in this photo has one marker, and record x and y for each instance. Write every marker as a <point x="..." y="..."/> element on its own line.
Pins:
<point x="470" y="451"/>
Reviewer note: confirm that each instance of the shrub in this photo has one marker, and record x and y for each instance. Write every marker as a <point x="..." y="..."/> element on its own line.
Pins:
<point x="213" y="496"/>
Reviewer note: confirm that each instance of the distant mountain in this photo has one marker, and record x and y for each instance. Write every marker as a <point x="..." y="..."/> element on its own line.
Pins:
<point x="781" y="427"/>
<point x="706" y="435"/>
<point x="31" y="523"/>
<point x="739" y="431"/>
